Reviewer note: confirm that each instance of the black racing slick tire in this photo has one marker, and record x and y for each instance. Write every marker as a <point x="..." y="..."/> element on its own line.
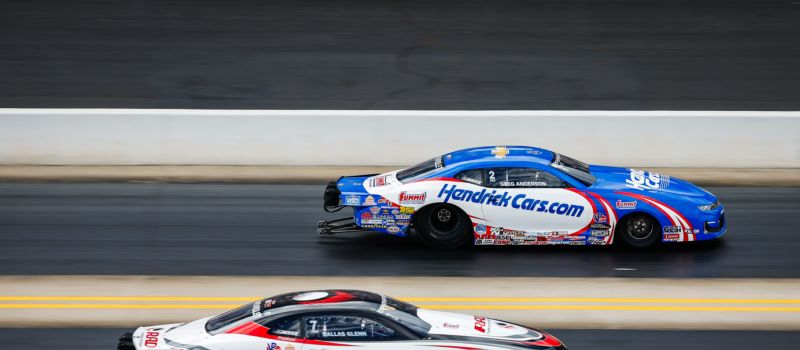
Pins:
<point x="443" y="226"/>
<point x="126" y="342"/>
<point x="639" y="230"/>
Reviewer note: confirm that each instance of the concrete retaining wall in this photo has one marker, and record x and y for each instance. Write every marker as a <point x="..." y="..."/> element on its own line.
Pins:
<point x="390" y="138"/>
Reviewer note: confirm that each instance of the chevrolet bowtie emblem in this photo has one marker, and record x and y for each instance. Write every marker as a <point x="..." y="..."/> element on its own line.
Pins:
<point x="500" y="152"/>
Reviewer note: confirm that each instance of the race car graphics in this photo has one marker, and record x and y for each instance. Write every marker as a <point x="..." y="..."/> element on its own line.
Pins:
<point x="643" y="180"/>
<point x="527" y="194"/>
<point x="674" y="216"/>
<point x="519" y="201"/>
<point x="338" y="319"/>
<point x="609" y="217"/>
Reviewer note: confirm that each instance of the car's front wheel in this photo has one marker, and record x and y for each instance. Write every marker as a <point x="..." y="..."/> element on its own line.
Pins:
<point x="443" y="226"/>
<point x="126" y="342"/>
<point x="640" y="230"/>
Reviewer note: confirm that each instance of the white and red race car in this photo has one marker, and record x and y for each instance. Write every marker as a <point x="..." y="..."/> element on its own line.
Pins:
<point x="330" y="319"/>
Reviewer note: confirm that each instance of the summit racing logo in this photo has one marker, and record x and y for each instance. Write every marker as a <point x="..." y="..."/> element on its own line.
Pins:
<point x="519" y="201"/>
<point x="412" y="198"/>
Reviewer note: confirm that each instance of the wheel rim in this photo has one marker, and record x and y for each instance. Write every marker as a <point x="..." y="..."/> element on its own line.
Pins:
<point x="443" y="222"/>
<point x="640" y="227"/>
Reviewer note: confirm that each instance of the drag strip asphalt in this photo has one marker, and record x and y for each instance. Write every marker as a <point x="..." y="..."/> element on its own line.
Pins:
<point x="575" y="339"/>
<point x="476" y="54"/>
<point x="269" y="230"/>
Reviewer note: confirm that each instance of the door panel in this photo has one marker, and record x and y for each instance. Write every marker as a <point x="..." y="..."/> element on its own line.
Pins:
<point x="539" y="210"/>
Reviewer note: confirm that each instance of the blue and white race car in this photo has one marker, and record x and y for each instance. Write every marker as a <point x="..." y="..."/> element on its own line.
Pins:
<point x="517" y="195"/>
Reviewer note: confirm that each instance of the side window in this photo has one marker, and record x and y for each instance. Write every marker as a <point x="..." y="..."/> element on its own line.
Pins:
<point x="345" y="327"/>
<point x="287" y="326"/>
<point x="522" y="178"/>
<point x="474" y="176"/>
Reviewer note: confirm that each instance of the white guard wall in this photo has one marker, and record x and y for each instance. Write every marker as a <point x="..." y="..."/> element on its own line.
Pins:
<point x="291" y="137"/>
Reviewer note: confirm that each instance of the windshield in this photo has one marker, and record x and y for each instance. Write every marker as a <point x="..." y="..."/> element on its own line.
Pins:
<point x="419" y="169"/>
<point x="232" y="316"/>
<point x="573" y="167"/>
<point x="405" y="314"/>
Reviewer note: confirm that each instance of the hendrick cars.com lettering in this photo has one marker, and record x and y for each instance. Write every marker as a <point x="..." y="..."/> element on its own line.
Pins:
<point x="519" y="201"/>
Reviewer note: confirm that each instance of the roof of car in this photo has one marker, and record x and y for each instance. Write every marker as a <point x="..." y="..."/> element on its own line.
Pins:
<point x="493" y="153"/>
<point x="315" y="297"/>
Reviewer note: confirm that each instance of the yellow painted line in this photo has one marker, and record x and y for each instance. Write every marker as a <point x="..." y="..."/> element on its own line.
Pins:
<point x="124" y="298"/>
<point x="119" y="306"/>
<point x="440" y="307"/>
<point x="609" y="300"/>
<point x="416" y="299"/>
<point x="613" y="308"/>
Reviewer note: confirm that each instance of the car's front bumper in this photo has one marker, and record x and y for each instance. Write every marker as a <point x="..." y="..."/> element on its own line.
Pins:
<point x="712" y="225"/>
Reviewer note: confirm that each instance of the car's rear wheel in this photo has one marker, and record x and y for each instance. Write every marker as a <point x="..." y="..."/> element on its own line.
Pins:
<point x="639" y="230"/>
<point x="443" y="226"/>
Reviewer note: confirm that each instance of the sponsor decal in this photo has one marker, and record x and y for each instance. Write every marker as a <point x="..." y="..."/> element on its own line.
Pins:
<point x="519" y="201"/>
<point x="374" y="210"/>
<point x="393" y="229"/>
<point x="522" y="236"/>
<point x="372" y="225"/>
<point x="496" y="230"/>
<point x="366" y="216"/>
<point x="268" y="303"/>
<point x="552" y="233"/>
<point x="406" y="210"/>
<point x="290" y="347"/>
<point x="599" y="233"/>
<point x="412" y="198"/>
<point x="369" y="200"/>
<point x="572" y="238"/>
<point x="352" y="200"/>
<point x="576" y="243"/>
<point x="600" y="218"/>
<point x="480" y="324"/>
<point x="395" y="212"/>
<point x="643" y="180"/>
<point x="672" y="236"/>
<point x="273" y="346"/>
<point x="480" y="229"/>
<point x="287" y="332"/>
<point x="601" y="227"/>
<point x="470" y="180"/>
<point x="151" y="339"/>
<point x="673" y="229"/>
<point x="484" y="242"/>
<point x="383" y="201"/>
<point x="450" y="325"/>
<point x="402" y="217"/>
<point x="378" y="181"/>
<point x="500" y="152"/>
<point x="625" y="205"/>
